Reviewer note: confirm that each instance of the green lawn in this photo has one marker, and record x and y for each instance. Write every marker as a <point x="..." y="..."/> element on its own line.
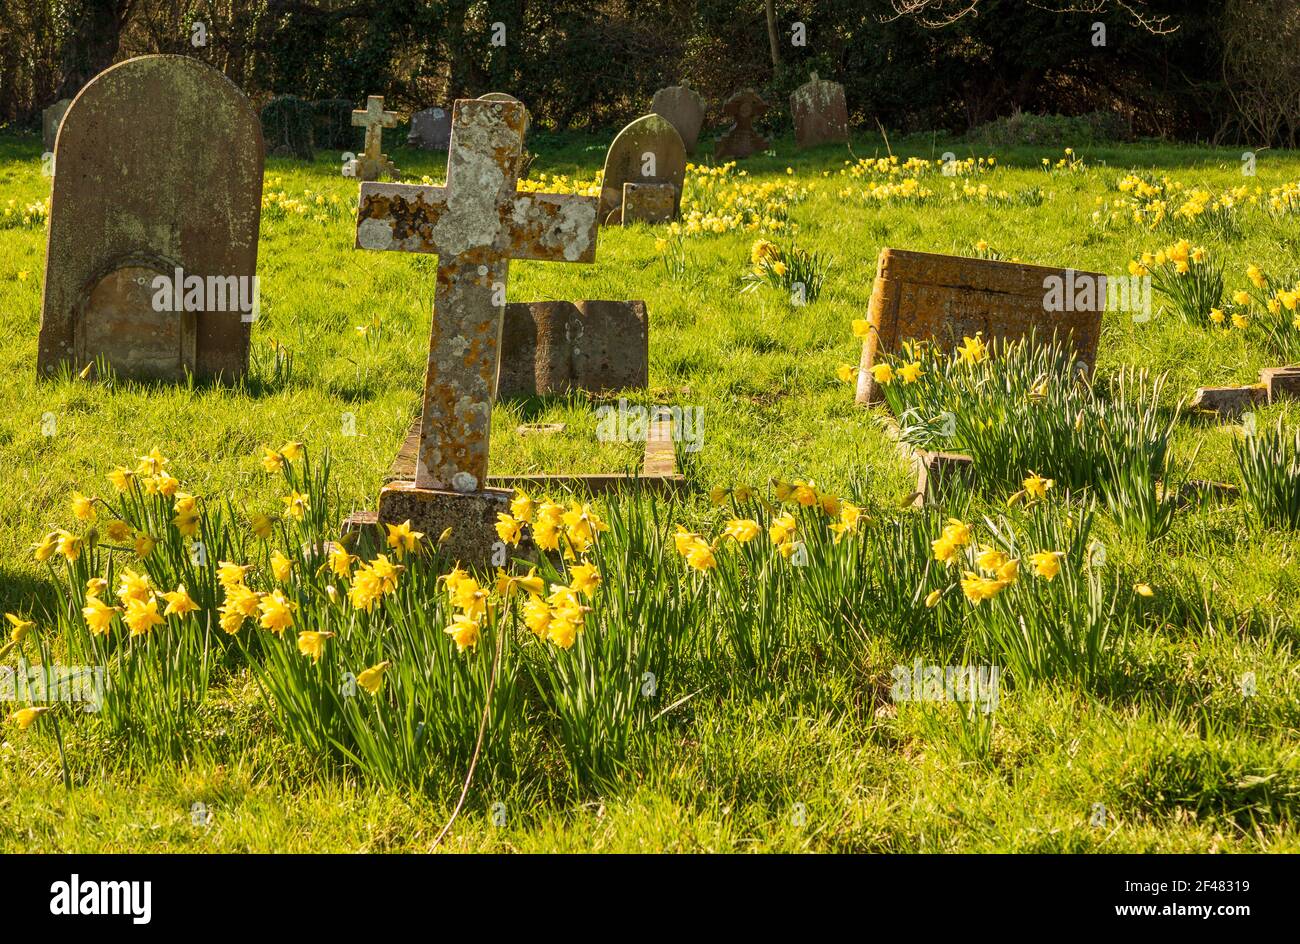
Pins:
<point x="807" y="756"/>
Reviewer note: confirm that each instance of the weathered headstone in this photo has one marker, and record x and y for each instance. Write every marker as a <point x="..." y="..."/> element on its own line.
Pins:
<point x="374" y="163"/>
<point x="152" y="249"/>
<point x="430" y="129"/>
<point x="820" y="112"/>
<point x="553" y="347"/>
<point x="741" y="140"/>
<point x="649" y="150"/>
<point x="1280" y="383"/>
<point x="683" y="109"/>
<point x="51" y="118"/>
<point x="943" y="299"/>
<point x="475" y="224"/>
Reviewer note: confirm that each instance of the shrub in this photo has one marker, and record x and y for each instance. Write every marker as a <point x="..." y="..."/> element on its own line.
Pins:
<point x="287" y="126"/>
<point x="1023" y="128"/>
<point x="332" y="127"/>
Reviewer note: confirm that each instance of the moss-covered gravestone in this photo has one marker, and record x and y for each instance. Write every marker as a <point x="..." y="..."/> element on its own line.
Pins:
<point x="152" y="248"/>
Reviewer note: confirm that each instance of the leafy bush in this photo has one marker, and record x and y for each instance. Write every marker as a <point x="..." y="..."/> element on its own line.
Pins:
<point x="332" y="127"/>
<point x="287" y="127"/>
<point x="1023" y="128"/>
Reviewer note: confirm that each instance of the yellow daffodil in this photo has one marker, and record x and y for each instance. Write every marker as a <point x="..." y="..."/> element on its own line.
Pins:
<point x="883" y="374"/>
<point x="281" y="567"/>
<point x="464" y="630"/>
<point x="1046" y="564"/>
<point x="312" y="644"/>
<point x="403" y="540"/>
<point x="24" y="717"/>
<point x="296" y="505"/>
<point x="521" y="507"/>
<point x="1036" y="486"/>
<point x="742" y="530"/>
<point x="98" y="615"/>
<point x="782" y="529"/>
<point x="584" y="578"/>
<point x="370" y="679"/>
<point x="179" y="603"/>
<point x="142" y="616"/>
<point x="911" y="373"/>
<point x="82" y="507"/>
<point x="276" y="612"/>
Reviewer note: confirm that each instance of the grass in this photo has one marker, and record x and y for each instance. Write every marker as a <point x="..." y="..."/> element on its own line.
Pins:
<point x="805" y="754"/>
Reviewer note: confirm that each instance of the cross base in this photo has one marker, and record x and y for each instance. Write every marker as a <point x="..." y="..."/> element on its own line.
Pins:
<point x="472" y="517"/>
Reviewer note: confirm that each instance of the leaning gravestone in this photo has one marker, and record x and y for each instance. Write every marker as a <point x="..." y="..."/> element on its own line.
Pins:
<point x="51" y="118"/>
<point x="649" y="151"/>
<point x="741" y="140"/>
<point x="153" y="225"/>
<point x="476" y="224"/>
<point x="430" y="130"/>
<point x="554" y="347"/>
<point x="683" y="109"/>
<point x="944" y="299"/>
<point x="820" y="113"/>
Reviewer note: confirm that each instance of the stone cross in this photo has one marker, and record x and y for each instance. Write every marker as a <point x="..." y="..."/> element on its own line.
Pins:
<point x="476" y="224"/>
<point x="374" y="119"/>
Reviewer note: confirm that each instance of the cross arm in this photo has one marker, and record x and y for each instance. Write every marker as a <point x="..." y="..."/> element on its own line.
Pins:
<point x="552" y="227"/>
<point x="400" y="217"/>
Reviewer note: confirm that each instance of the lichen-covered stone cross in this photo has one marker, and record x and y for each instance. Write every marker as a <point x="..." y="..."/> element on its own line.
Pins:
<point x="374" y="119"/>
<point x="476" y="224"/>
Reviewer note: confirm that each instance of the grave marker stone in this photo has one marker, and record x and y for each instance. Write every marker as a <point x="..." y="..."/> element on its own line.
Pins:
<point x="51" y="118"/>
<point x="430" y="129"/>
<point x="940" y="298"/>
<point x="159" y="177"/>
<point x="819" y="112"/>
<point x="741" y="140"/>
<point x="476" y="224"/>
<point x="554" y="347"/>
<point x="374" y="163"/>
<point x="649" y="150"/>
<point x="683" y="109"/>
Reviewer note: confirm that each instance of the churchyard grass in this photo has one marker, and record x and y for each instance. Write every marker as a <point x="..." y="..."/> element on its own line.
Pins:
<point x="1149" y="697"/>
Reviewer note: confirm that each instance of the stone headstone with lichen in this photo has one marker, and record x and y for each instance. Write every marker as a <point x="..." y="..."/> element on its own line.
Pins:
<point x="820" y="113"/>
<point x="927" y="296"/>
<point x="475" y="224"/>
<point x="51" y="118"/>
<point x="159" y="177"/>
<point x="683" y="108"/>
<point x="430" y="129"/>
<point x="649" y="150"/>
<point x="741" y="140"/>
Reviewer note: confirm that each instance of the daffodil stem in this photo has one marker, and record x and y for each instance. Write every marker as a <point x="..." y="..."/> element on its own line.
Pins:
<point x="63" y="757"/>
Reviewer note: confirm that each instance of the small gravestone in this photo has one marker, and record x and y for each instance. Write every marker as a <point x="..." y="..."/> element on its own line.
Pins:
<point x="741" y="140"/>
<point x="649" y="150"/>
<point x="944" y="299"/>
<point x="554" y="347"/>
<point x="648" y="203"/>
<point x="820" y="113"/>
<point x="374" y="163"/>
<point x="51" y="118"/>
<point x="430" y="129"/>
<point x="475" y="224"/>
<point x="1280" y="383"/>
<point x="152" y="252"/>
<point x="683" y="109"/>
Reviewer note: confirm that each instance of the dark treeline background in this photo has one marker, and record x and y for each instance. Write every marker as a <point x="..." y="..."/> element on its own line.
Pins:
<point x="1221" y="70"/>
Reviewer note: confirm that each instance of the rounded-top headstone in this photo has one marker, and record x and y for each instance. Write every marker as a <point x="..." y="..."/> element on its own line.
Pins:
<point x="648" y="150"/>
<point x="430" y="129"/>
<point x="820" y="112"/>
<point x="684" y="110"/>
<point x="159" y="169"/>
